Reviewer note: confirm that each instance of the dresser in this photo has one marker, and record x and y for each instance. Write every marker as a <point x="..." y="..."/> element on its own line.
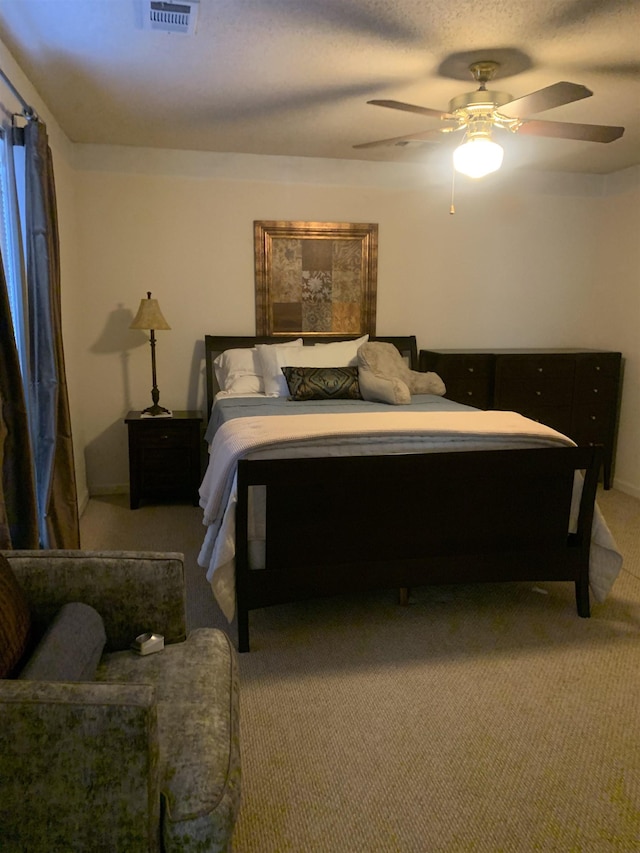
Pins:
<point x="164" y="457"/>
<point x="575" y="391"/>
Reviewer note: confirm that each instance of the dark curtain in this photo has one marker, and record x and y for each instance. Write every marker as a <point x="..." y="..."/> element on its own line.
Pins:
<point x="18" y="507"/>
<point x="48" y="397"/>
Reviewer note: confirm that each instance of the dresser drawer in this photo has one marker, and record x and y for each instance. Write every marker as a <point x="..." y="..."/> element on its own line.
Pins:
<point x="468" y="377"/>
<point x="543" y="389"/>
<point x="597" y="365"/>
<point x="530" y="367"/>
<point x="557" y="417"/>
<point x="592" y="424"/>
<point x="595" y="388"/>
<point x="474" y="391"/>
<point x="457" y="364"/>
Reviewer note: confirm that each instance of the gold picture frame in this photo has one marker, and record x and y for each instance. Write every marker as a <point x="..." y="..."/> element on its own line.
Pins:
<point x="315" y="278"/>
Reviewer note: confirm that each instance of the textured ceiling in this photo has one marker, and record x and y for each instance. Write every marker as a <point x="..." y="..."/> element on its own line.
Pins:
<point x="292" y="77"/>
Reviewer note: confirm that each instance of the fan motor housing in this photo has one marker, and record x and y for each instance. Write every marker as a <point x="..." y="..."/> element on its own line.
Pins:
<point x="481" y="98"/>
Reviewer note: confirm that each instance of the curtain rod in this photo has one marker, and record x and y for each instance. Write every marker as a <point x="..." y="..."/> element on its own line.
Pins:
<point x="27" y="111"/>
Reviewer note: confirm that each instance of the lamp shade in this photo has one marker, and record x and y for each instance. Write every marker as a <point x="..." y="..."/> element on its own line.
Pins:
<point x="149" y="315"/>
<point x="477" y="157"/>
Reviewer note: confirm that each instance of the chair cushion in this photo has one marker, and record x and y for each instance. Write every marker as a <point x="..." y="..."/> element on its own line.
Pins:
<point x="71" y="648"/>
<point x="198" y="732"/>
<point x="15" y="620"/>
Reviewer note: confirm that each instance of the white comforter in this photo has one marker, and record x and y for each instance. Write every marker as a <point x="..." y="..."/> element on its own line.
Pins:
<point x="370" y="433"/>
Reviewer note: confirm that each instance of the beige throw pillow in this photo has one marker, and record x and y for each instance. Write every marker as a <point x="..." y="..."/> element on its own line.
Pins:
<point x="385" y="377"/>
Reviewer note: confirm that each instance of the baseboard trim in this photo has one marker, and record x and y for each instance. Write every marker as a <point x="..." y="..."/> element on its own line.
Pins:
<point x="627" y="488"/>
<point x="83" y="502"/>
<point x="115" y="489"/>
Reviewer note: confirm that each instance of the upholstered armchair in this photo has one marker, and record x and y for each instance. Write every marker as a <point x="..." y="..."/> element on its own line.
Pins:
<point x="142" y="752"/>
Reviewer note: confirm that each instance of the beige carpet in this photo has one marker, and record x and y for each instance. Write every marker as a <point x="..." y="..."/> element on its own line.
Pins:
<point x="479" y="718"/>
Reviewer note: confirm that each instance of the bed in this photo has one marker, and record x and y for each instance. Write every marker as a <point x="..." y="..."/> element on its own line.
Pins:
<point x="319" y="497"/>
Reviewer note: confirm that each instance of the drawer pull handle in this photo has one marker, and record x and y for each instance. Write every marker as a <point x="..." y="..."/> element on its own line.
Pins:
<point x="540" y="369"/>
<point x="469" y="393"/>
<point x="538" y="393"/>
<point x="470" y="369"/>
<point x="597" y="367"/>
<point x="594" y="418"/>
<point x="595" y="390"/>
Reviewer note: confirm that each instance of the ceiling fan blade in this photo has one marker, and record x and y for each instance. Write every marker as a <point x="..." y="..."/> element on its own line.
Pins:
<point x="545" y="99"/>
<point x="410" y="108"/>
<point x="425" y="136"/>
<point x="567" y="130"/>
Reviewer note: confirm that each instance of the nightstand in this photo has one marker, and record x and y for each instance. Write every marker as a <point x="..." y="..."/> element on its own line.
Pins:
<point x="164" y="457"/>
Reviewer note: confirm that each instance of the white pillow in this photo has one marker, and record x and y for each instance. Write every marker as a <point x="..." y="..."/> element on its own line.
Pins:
<point x="338" y="354"/>
<point x="238" y="371"/>
<point x="347" y="351"/>
<point x="271" y="374"/>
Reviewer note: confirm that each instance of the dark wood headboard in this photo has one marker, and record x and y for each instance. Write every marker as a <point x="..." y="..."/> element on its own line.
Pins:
<point x="215" y="344"/>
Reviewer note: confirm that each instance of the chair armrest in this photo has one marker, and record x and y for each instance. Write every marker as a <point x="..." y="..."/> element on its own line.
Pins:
<point x="133" y="591"/>
<point x="78" y="763"/>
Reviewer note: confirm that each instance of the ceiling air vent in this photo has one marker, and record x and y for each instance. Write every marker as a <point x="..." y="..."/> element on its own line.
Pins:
<point x="179" y="17"/>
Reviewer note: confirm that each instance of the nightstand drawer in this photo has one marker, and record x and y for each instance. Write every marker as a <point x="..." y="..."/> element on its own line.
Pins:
<point x="160" y="436"/>
<point x="163" y="471"/>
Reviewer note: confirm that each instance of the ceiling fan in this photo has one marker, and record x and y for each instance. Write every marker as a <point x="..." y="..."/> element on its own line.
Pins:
<point x="481" y="112"/>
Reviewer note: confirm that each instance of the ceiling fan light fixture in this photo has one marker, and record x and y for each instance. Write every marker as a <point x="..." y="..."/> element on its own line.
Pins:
<point x="478" y="156"/>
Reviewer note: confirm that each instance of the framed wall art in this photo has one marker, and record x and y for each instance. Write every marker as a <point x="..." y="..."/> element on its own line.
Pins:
<point x="316" y="278"/>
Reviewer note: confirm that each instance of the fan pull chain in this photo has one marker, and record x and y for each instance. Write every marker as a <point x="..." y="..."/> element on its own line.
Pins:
<point x="452" y="208"/>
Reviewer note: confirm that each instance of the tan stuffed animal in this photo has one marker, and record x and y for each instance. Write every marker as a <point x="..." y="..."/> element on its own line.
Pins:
<point x="384" y="376"/>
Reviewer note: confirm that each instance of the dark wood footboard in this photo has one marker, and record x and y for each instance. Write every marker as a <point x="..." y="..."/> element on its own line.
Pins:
<point x="338" y="525"/>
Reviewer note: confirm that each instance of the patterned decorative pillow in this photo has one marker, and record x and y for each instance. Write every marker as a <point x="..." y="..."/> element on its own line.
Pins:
<point x="15" y="620"/>
<point x="323" y="383"/>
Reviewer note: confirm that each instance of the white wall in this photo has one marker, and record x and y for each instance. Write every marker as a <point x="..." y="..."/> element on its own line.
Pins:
<point x="516" y="266"/>
<point x="615" y="311"/>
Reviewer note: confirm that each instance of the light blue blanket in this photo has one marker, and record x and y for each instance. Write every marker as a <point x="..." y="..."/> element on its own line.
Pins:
<point x="228" y="408"/>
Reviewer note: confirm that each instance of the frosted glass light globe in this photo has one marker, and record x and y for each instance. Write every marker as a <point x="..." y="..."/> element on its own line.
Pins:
<point x="478" y="157"/>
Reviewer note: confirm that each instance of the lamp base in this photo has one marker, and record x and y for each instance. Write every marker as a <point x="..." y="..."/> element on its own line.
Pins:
<point x="156" y="411"/>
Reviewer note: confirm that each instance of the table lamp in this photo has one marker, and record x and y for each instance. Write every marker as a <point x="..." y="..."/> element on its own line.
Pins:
<point x="149" y="317"/>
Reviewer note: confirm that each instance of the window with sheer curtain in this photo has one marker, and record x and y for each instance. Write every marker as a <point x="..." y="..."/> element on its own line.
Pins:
<point x="19" y="527"/>
<point x="12" y="229"/>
